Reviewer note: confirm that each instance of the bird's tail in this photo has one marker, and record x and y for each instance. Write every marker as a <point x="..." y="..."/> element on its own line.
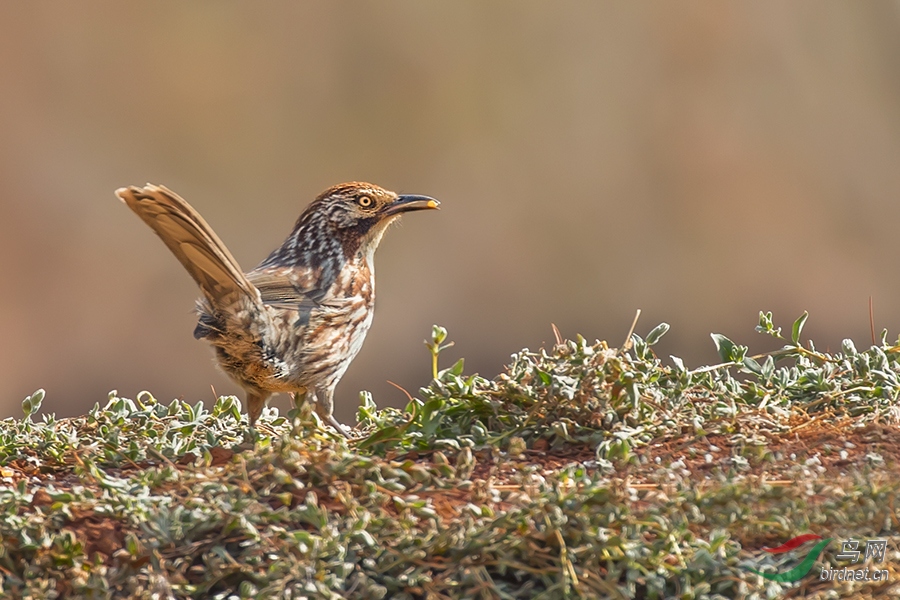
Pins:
<point x="190" y="239"/>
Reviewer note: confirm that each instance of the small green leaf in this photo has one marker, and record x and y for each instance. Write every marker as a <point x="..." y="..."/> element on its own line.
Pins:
<point x="656" y="333"/>
<point x="457" y="367"/>
<point x="36" y="399"/>
<point x="32" y="403"/>
<point x="848" y="348"/>
<point x="798" y="328"/>
<point x="381" y="435"/>
<point x="752" y="365"/>
<point x="236" y="409"/>
<point x="455" y="370"/>
<point x="725" y="346"/>
<point x="768" y="368"/>
<point x="766" y="326"/>
<point x="545" y="377"/>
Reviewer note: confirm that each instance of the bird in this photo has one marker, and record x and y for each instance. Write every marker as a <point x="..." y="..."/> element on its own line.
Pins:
<point x="295" y="322"/>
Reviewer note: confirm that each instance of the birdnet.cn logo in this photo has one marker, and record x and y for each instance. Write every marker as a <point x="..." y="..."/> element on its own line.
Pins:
<point x="850" y="551"/>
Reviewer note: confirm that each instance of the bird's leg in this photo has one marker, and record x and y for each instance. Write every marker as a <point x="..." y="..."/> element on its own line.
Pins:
<point x="325" y="409"/>
<point x="337" y="425"/>
<point x="256" y="400"/>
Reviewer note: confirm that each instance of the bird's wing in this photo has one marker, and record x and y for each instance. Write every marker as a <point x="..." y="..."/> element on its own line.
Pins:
<point x="291" y="288"/>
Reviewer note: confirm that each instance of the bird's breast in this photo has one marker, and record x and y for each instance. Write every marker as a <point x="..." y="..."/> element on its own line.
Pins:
<point x="323" y="348"/>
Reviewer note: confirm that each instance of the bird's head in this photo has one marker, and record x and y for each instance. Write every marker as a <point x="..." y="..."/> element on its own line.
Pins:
<point x="359" y="213"/>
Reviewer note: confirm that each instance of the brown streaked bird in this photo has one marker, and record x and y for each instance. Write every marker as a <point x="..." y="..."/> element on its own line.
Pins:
<point x="294" y="323"/>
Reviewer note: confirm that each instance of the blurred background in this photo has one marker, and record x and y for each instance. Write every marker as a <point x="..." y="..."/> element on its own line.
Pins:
<point x="700" y="161"/>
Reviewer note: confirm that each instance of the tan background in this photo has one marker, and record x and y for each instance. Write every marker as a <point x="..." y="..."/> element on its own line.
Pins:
<point x="701" y="161"/>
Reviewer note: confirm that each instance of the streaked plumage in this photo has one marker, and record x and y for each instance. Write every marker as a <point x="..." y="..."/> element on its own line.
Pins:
<point x="294" y="323"/>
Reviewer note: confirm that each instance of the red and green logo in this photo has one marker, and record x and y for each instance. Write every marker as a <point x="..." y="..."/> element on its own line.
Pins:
<point x="801" y="570"/>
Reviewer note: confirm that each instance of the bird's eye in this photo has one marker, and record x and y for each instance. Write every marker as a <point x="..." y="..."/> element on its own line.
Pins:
<point x="364" y="201"/>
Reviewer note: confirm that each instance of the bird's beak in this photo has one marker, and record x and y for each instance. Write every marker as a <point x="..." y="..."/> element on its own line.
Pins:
<point x="409" y="203"/>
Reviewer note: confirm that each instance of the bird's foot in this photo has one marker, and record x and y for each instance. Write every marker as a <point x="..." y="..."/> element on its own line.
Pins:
<point x="337" y="425"/>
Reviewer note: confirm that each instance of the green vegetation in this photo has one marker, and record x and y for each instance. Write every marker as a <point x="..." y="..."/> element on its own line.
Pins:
<point x="581" y="471"/>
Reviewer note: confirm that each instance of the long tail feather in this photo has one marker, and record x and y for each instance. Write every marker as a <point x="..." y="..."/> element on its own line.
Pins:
<point x="190" y="239"/>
